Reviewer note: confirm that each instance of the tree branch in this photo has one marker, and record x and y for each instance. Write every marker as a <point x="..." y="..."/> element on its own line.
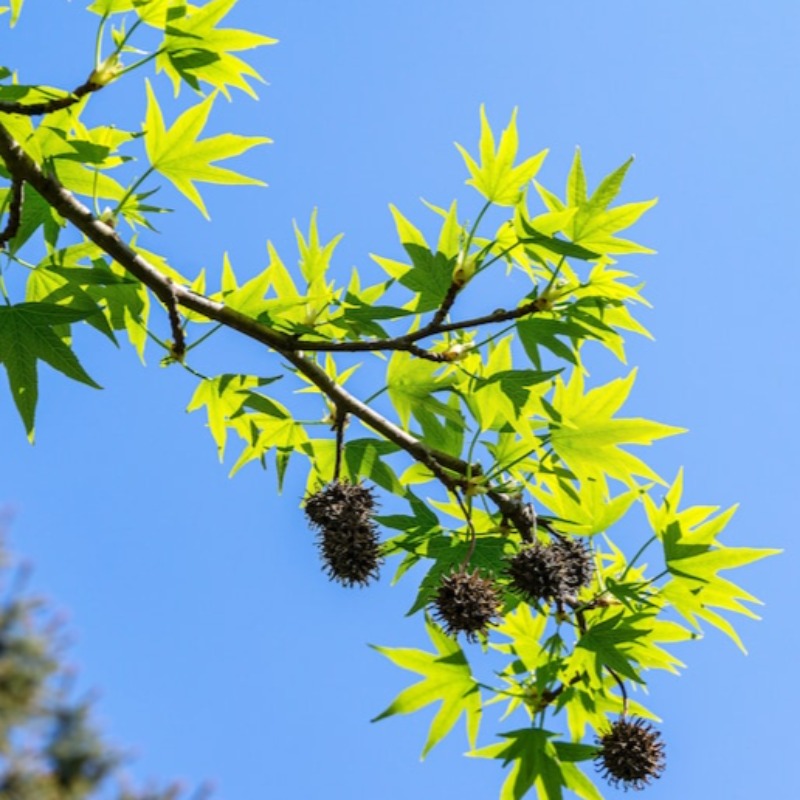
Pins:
<point x="49" y="106"/>
<point x="407" y="341"/>
<point x="22" y="166"/>
<point x="14" y="212"/>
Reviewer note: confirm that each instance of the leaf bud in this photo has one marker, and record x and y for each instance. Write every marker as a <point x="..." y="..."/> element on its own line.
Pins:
<point x="456" y="352"/>
<point x="466" y="267"/>
<point x="106" y="71"/>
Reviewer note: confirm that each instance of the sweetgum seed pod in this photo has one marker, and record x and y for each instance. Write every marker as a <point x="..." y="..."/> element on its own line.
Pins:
<point x="631" y="754"/>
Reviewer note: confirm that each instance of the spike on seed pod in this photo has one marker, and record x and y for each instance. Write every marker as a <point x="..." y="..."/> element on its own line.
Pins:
<point x="631" y="754"/>
<point x="536" y="572"/>
<point x="467" y="603"/>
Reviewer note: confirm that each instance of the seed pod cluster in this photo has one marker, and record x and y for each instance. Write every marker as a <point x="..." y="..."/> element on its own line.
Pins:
<point x="631" y="754"/>
<point x="467" y="603"/>
<point x="551" y="571"/>
<point x="347" y="535"/>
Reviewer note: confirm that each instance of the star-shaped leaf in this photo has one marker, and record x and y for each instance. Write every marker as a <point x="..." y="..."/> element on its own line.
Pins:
<point x="447" y="679"/>
<point x="695" y="557"/>
<point x="27" y="336"/>
<point x="496" y="177"/>
<point x="588" y="437"/>
<point x="196" y="50"/>
<point x="179" y="156"/>
<point x="539" y="762"/>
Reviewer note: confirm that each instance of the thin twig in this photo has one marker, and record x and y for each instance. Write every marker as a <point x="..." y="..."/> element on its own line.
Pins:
<point x="622" y="689"/>
<point x="49" y="106"/>
<point x="14" y="212"/>
<point x="338" y="426"/>
<point x="447" y="304"/>
<point x="178" y="346"/>
<point x="406" y="341"/>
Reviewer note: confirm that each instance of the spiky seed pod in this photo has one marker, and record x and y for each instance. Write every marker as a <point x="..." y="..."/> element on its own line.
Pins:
<point x="536" y="572"/>
<point x="351" y="555"/>
<point x="348" y="538"/>
<point x="577" y="566"/>
<point x="467" y="603"/>
<point x="631" y="754"/>
<point x="340" y="505"/>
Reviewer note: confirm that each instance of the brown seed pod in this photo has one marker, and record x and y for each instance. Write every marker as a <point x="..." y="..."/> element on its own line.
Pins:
<point x="340" y="505"/>
<point x="631" y="754"/>
<point x="467" y="603"/>
<point x="351" y="555"/>
<point x="536" y="572"/>
<point x="577" y="565"/>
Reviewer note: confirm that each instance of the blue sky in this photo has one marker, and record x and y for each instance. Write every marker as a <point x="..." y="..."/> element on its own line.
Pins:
<point x="196" y="603"/>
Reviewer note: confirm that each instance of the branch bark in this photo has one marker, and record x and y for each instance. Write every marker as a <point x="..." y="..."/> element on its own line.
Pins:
<point x="23" y="167"/>
<point x="49" y="106"/>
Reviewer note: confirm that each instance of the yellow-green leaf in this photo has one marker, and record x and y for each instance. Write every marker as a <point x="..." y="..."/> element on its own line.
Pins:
<point x="496" y="177"/>
<point x="179" y="156"/>
<point x="588" y="438"/>
<point x="447" y="678"/>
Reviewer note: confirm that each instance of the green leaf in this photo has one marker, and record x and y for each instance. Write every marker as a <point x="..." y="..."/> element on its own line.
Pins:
<point x="446" y="435"/>
<point x="447" y="679"/>
<point x="36" y="213"/>
<point x="429" y="274"/>
<point x="515" y="384"/>
<point x="610" y="640"/>
<point x="364" y="458"/>
<point x="27" y="336"/>
<point x="179" y="157"/>
<point x="558" y="246"/>
<point x="535" y="764"/>
<point x="608" y="188"/>
<point x="196" y="50"/>
<point x="694" y="559"/>
<point x="496" y="177"/>
<point x="359" y="318"/>
<point x="105" y="8"/>
<point x="536" y="332"/>
<point x="411" y="384"/>
<point x="576" y="181"/>
<point x="588" y="512"/>
<point x="16" y="9"/>
<point x="429" y="277"/>
<point x="588" y="438"/>
<point x="223" y="398"/>
<point x="49" y="286"/>
<point x="525" y="629"/>
<point x="315" y="258"/>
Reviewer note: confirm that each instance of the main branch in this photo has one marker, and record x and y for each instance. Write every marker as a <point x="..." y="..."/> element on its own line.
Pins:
<point x="22" y="167"/>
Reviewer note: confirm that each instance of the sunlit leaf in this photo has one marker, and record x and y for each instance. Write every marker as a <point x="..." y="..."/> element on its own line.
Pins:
<point x="26" y="337"/>
<point x="496" y="177"/>
<point x="179" y="156"/>
<point x="447" y="679"/>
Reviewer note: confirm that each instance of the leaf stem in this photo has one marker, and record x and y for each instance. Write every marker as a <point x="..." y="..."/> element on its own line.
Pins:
<point x="98" y="42"/>
<point x="205" y="336"/>
<point x="639" y="553"/>
<point x="141" y="62"/>
<point x="132" y="188"/>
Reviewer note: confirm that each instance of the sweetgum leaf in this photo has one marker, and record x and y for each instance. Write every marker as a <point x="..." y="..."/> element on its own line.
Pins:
<point x="27" y="336"/>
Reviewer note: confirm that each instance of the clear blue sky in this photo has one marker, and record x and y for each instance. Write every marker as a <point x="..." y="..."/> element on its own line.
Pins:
<point x="196" y="603"/>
